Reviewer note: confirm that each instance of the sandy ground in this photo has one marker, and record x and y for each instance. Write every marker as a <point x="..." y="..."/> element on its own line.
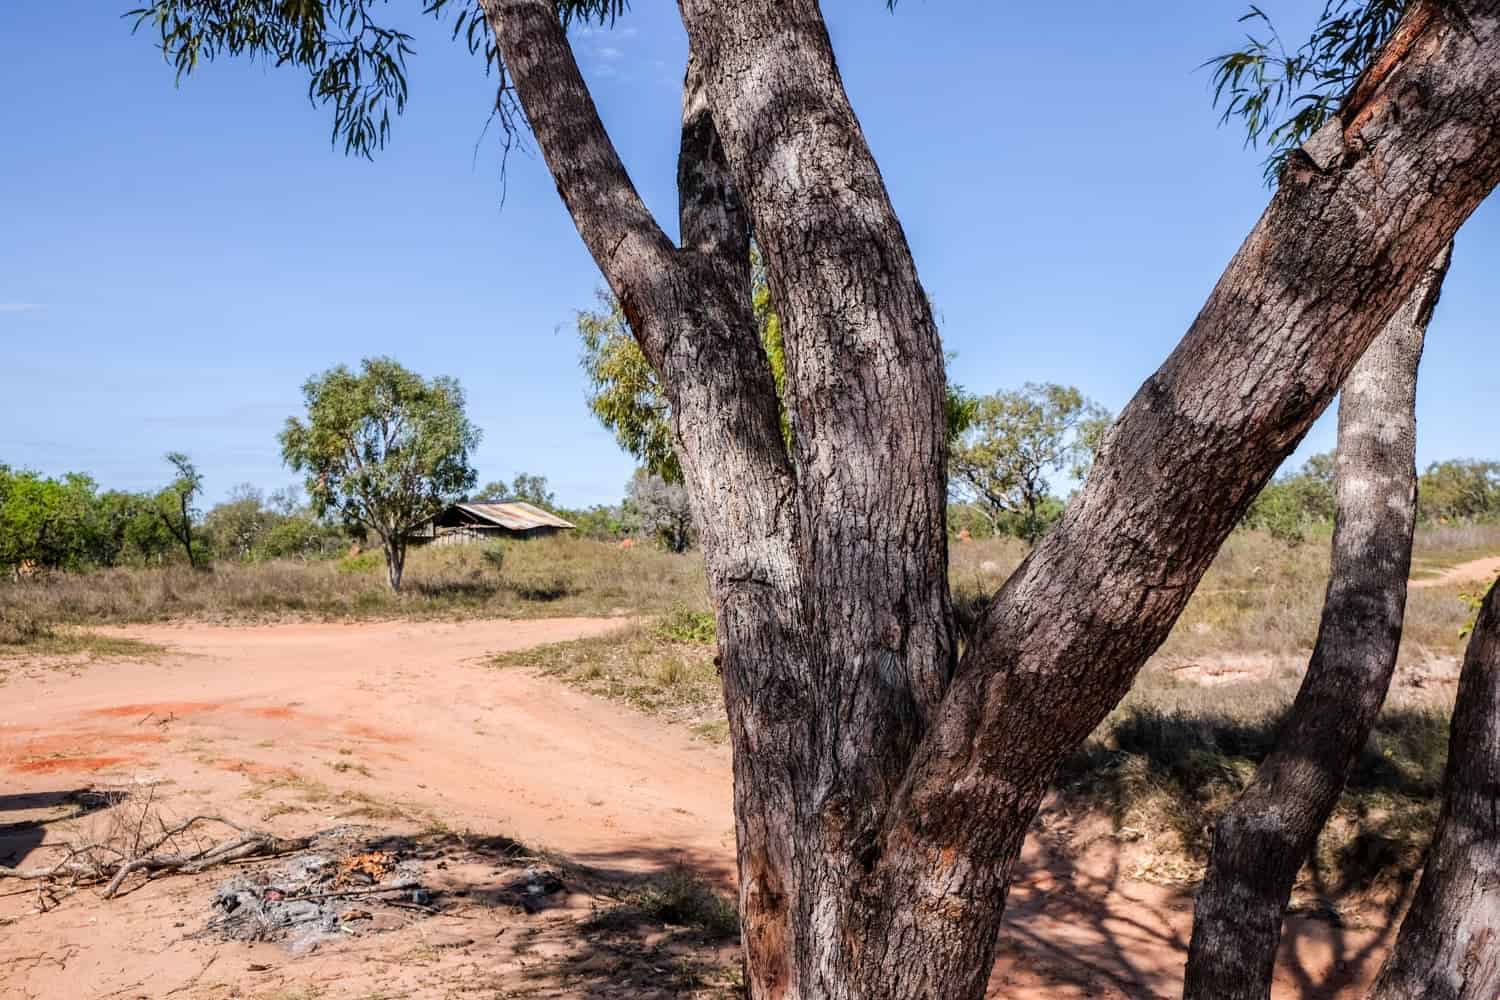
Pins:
<point x="400" y="726"/>
<point x="1474" y="571"/>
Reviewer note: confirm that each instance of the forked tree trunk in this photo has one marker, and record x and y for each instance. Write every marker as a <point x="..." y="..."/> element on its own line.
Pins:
<point x="1264" y="838"/>
<point x="882" y="790"/>
<point x="899" y="865"/>
<point x="1449" y="945"/>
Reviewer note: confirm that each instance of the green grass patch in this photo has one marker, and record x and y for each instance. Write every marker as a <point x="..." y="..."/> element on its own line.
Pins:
<point x="687" y="625"/>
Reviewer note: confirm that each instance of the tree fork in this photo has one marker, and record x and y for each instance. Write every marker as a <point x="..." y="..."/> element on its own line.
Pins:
<point x="880" y="805"/>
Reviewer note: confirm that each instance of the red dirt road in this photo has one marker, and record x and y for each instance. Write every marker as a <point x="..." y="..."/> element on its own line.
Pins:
<point x="297" y="727"/>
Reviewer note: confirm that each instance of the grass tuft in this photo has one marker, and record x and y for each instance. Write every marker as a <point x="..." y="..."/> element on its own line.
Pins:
<point x="677" y="899"/>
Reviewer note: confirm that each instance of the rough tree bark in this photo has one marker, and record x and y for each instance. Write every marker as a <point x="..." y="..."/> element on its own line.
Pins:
<point x="900" y="892"/>
<point x="1266" y="836"/>
<point x="1449" y="945"/>
<point x="882" y="788"/>
<point x="691" y="310"/>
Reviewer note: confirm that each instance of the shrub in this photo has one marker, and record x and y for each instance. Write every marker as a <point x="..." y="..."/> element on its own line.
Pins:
<point x="19" y="627"/>
<point x="539" y="585"/>
<point x="365" y="562"/>
<point x="494" y="556"/>
<point x="682" y="899"/>
<point x="686" y="625"/>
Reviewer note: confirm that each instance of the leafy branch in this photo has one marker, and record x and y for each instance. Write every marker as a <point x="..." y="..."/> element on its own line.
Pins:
<point x="354" y="63"/>
<point x="1283" y="96"/>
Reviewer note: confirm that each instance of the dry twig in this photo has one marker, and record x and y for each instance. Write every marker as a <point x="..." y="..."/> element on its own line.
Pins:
<point x="91" y="863"/>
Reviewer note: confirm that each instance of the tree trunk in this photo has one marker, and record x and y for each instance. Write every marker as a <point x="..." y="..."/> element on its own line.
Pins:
<point x="1449" y="945"/>
<point x="187" y="531"/>
<point x="898" y="877"/>
<point x="882" y="790"/>
<point x="395" y="561"/>
<point x="1262" y="841"/>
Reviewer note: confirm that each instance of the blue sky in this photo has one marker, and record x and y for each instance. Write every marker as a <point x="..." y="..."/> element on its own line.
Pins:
<point x="175" y="261"/>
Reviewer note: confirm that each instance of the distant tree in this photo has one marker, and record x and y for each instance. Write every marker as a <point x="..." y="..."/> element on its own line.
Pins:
<point x="44" y="521"/>
<point x="1015" y="443"/>
<point x="383" y="449"/>
<point x="627" y="397"/>
<point x="285" y="501"/>
<point x="602" y="522"/>
<point x="1291" y="504"/>
<point x="133" y="530"/>
<point x="1459" y="490"/>
<point x="174" y="505"/>
<point x="236" y="526"/>
<point x="525" y="487"/>
<point x="624" y="393"/>
<point x="660" y="509"/>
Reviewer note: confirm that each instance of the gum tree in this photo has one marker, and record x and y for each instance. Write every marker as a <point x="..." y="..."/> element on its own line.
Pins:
<point x="1015" y="441"/>
<point x="174" y="504"/>
<point x="883" y="782"/>
<point x="383" y="448"/>
<point x="1265" y="837"/>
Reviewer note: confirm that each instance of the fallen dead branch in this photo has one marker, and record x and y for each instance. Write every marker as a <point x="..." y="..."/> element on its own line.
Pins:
<point x="158" y="854"/>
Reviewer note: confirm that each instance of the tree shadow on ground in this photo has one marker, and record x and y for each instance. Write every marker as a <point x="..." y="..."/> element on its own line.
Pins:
<point x="1110" y="913"/>
<point x="645" y="923"/>
<point x="639" y="924"/>
<point x="19" y="838"/>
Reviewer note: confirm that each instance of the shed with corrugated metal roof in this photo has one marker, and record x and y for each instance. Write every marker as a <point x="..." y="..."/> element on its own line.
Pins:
<point x="462" y="523"/>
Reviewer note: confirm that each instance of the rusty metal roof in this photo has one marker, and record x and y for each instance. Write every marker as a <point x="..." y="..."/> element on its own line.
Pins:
<point x="515" y="515"/>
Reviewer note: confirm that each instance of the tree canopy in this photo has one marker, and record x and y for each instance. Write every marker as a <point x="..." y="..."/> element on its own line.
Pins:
<point x="627" y="396"/>
<point x="526" y="487"/>
<point x="382" y="448"/>
<point x="1016" y="443"/>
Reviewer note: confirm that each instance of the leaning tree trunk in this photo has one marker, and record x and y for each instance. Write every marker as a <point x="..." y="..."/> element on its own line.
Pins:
<point x="882" y="789"/>
<point x="1449" y="945"/>
<point x="1264" y="838"/>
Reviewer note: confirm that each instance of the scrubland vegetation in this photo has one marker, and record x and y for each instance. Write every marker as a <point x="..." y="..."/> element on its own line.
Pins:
<point x="1186" y="740"/>
<point x="552" y="577"/>
<point x="1180" y="748"/>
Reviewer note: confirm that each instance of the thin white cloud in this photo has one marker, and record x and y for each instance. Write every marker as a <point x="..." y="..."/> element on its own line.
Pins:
<point x="19" y="307"/>
<point x="609" y="52"/>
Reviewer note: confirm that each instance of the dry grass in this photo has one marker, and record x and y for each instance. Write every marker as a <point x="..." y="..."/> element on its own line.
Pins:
<point x="1262" y="596"/>
<point x="1174" y="754"/>
<point x="1176" y="751"/>
<point x="545" y="577"/>
<point x="976" y="569"/>
<point x="1170" y="757"/>
<point x="25" y="639"/>
<point x="643" y="665"/>
<point x="677" y="898"/>
<point x="1443" y="545"/>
